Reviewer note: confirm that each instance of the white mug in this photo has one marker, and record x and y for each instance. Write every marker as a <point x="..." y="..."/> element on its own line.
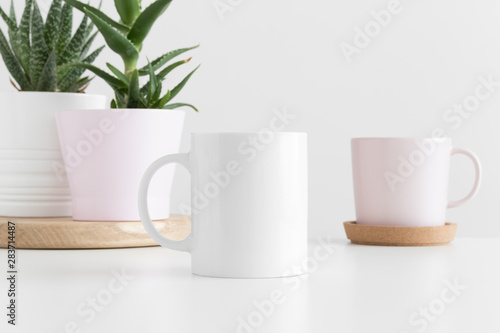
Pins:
<point x="404" y="181"/>
<point x="248" y="204"/>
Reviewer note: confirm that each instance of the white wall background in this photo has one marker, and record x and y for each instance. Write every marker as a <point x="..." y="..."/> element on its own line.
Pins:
<point x="285" y="53"/>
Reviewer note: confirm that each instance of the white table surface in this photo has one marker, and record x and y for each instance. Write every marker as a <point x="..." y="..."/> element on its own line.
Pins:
<point x="354" y="289"/>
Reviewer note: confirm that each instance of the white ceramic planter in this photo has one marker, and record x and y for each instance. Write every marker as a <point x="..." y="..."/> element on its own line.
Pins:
<point x="106" y="152"/>
<point x="30" y="155"/>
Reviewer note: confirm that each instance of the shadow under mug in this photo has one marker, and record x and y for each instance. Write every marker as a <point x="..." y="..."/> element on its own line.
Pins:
<point x="404" y="181"/>
<point x="248" y="204"/>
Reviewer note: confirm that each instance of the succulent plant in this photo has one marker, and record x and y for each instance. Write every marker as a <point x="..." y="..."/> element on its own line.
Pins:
<point x="125" y="38"/>
<point x="39" y="51"/>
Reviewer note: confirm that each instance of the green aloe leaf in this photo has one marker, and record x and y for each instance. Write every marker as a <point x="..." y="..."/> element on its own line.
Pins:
<point x="161" y="102"/>
<point x="181" y="85"/>
<point x="111" y="80"/>
<point x="160" y="61"/>
<point x="72" y="51"/>
<point x="39" y="52"/>
<point x="134" y="93"/>
<point x="65" y="29"/>
<point x="13" y="65"/>
<point x="128" y="10"/>
<point x="48" y="78"/>
<point x="21" y="44"/>
<point x="178" y="105"/>
<point x="91" y="26"/>
<point x="118" y="74"/>
<point x="74" y="73"/>
<point x="145" y="21"/>
<point x="87" y="8"/>
<point x="10" y="23"/>
<point x="153" y="86"/>
<point x="161" y="75"/>
<point x="52" y="24"/>
<point x="157" y="92"/>
<point x="115" y="40"/>
<point x="120" y="99"/>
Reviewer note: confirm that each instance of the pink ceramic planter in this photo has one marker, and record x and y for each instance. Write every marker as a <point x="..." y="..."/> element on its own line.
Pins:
<point x="106" y="152"/>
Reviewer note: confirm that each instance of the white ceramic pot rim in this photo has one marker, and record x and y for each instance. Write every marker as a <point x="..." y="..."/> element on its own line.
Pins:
<point x="45" y="93"/>
<point x="243" y="133"/>
<point x="131" y="110"/>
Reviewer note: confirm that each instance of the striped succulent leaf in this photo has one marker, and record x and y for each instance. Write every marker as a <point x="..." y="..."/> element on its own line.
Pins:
<point x="38" y="53"/>
<point x="13" y="64"/>
<point x="80" y="85"/>
<point x="11" y="24"/>
<point x="12" y="16"/>
<point x="87" y="46"/>
<point x="73" y="50"/>
<point x="74" y="74"/>
<point x="65" y="28"/>
<point x="48" y="77"/>
<point x="51" y="28"/>
<point x="21" y="44"/>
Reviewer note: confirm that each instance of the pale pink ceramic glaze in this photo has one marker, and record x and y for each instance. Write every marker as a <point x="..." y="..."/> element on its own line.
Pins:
<point x="104" y="170"/>
<point x="404" y="181"/>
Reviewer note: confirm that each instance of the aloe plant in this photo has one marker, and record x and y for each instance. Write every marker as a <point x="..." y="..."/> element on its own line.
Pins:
<point x="125" y="37"/>
<point x="37" y="52"/>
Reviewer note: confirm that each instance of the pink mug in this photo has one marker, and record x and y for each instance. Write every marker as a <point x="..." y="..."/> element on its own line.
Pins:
<point x="404" y="181"/>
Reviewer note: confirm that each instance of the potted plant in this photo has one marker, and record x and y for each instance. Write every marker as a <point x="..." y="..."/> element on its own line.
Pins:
<point x="35" y="53"/>
<point x="107" y="151"/>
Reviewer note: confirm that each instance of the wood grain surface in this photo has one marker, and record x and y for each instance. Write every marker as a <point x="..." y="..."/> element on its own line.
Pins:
<point x="64" y="233"/>
<point x="400" y="236"/>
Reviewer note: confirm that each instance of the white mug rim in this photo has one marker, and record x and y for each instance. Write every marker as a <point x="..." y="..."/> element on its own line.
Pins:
<point x="436" y="139"/>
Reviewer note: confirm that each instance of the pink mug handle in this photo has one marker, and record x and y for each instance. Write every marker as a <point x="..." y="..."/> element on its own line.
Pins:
<point x="477" y="182"/>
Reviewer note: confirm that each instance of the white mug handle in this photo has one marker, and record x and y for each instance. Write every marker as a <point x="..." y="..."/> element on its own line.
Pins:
<point x="477" y="182"/>
<point x="182" y="245"/>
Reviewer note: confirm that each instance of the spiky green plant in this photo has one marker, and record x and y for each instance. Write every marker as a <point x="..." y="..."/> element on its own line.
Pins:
<point x="39" y="51"/>
<point x="126" y="38"/>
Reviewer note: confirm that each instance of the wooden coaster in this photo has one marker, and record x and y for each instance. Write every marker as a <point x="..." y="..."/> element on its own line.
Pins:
<point x="399" y="236"/>
<point x="64" y="233"/>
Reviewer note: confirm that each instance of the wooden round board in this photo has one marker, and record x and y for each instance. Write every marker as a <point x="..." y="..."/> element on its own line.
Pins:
<point x="64" y="233"/>
<point x="400" y="236"/>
